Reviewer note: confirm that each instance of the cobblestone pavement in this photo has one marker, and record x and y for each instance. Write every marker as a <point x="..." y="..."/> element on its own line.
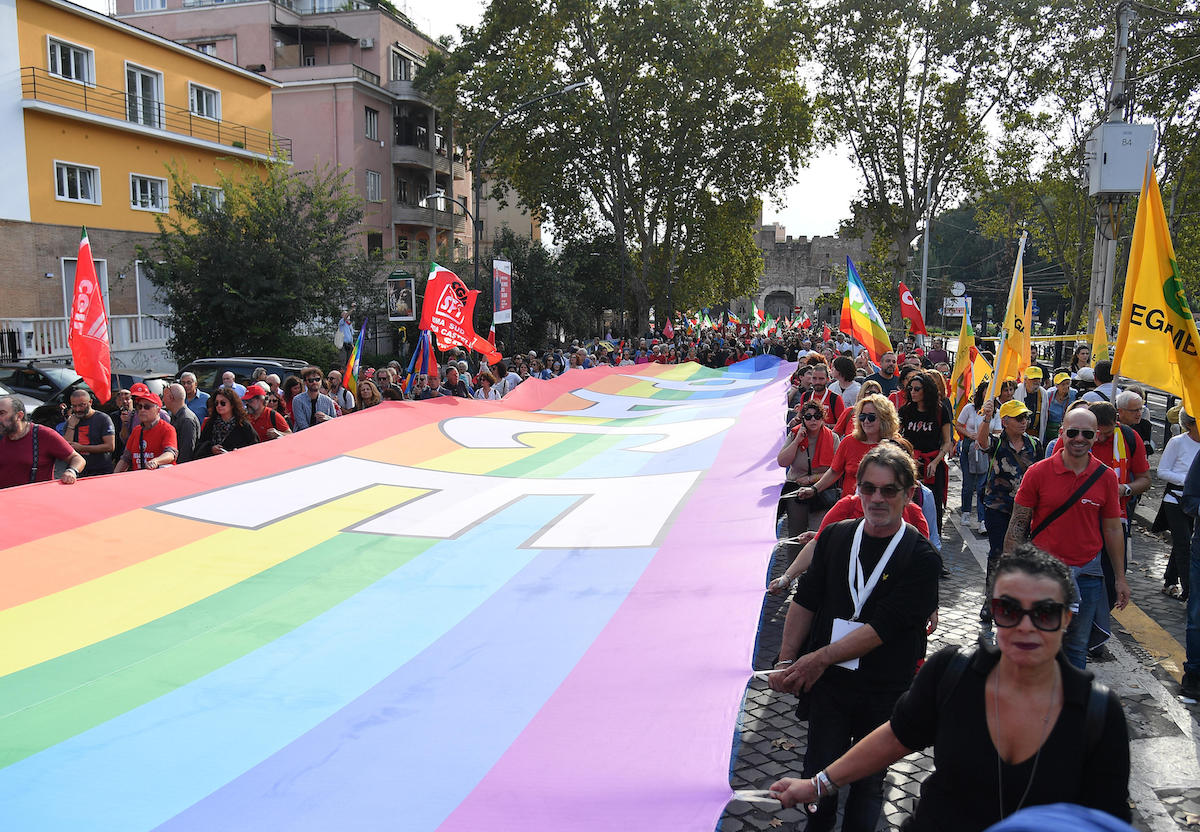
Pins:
<point x="1140" y="665"/>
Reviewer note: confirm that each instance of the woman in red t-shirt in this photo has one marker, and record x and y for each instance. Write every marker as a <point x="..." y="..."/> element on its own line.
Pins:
<point x="807" y="455"/>
<point x="874" y="419"/>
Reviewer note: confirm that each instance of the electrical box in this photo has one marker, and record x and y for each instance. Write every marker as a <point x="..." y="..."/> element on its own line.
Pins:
<point x="1116" y="155"/>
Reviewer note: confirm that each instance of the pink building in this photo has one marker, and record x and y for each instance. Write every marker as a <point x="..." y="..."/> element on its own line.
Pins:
<point x="347" y="99"/>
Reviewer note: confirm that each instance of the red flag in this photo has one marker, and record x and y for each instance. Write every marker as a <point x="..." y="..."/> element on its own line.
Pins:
<point x="806" y="323"/>
<point x="846" y="324"/>
<point x="492" y="334"/>
<point x="825" y="333"/>
<point x="448" y="311"/>
<point x="88" y="333"/>
<point x="910" y="310"/>
<point x="668" y="330"/>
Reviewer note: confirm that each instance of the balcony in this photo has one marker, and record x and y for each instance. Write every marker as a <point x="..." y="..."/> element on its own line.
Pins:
<point x="406" y="214"/>
<point x="405" y="91"/>
<point x="38" y="85"/>
<point x="410" y="155"/>
<point x="285" y="71"/>
<point x="46" y="338"/>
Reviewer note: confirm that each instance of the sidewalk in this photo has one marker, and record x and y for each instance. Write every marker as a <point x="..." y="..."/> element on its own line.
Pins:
<point x="1164" y="733"/>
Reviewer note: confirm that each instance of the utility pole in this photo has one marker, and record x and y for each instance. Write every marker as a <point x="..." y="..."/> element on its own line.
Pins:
<point x="925" y="252"/>
<point x="1104" y="249"/>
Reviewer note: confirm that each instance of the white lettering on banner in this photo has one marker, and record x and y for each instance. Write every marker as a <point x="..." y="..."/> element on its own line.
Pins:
<point x="705" y="385"/>
<point x="617" y="512"/>
<point x="607" y="406"/>
<point x="481" y="432"/>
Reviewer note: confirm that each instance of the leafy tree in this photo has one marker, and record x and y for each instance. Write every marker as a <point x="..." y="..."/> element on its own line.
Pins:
<point x="691" y="105"/>
<point x="911" y="87"/>
<point x="279" y="251"/>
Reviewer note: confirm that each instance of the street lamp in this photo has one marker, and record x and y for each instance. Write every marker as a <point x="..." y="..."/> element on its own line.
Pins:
<point x="477" y="163"/>
<point x="461" y="204"/>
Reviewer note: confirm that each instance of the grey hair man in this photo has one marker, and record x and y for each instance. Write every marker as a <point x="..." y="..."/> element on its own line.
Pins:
<point x="187" y="426"/>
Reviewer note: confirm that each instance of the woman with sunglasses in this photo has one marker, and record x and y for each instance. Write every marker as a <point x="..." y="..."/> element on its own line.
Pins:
<point x="1011" y="726"/>
<point x="926" y="422"/>
<point x="229" y="427"/>
<point x="874" y="420"/>
<point x="1010" y="455"/>
<point x="807" y="455"/>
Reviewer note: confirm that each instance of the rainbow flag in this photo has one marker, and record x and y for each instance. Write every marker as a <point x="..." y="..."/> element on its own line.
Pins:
<point x="447" y="615"/>
<point x="867" y="326"/>
<point x="422" y="361"/>
<point x="350" y="377"/>
<point x="734" y="319"/>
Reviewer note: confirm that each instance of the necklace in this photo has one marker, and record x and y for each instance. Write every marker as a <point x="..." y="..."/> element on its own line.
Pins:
<point x="1036" y="757"/>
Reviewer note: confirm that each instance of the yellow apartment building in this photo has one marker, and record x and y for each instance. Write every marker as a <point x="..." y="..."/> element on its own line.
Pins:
<point x="95" y="110"/>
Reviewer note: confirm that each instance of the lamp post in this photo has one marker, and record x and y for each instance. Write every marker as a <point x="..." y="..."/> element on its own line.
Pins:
<point x="477" y="163"/>
<point x="461" y="203"/>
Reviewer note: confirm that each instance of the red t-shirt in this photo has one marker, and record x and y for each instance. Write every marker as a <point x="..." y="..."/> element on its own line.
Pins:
<point x="266" y="420"/>
<point x="849" y="455"/>
<point x="845" y="423"/>
<point x="1130" y="468"/>
<point x="1074" y="538"/>
<point x="850" y="508"/>
<point x="16" y="457"/>
<point x="158" y="438"/>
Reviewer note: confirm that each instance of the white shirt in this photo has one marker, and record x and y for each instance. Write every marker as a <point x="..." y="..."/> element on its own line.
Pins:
<point x="1106" y="390"/>
<point x="850" y="394"/>
<point x="1175" y="461"/>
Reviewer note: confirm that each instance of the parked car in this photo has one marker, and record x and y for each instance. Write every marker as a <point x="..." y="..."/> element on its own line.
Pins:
<point x="39" y="379"/>
<point x="29" y="401"/>
<point x="208" y="371"/>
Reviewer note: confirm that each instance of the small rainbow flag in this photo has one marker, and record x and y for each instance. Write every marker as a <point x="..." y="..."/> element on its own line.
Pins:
<point x="422" y="362"/>
<point x="866" y="324"/>
<point x="350" y="377"/>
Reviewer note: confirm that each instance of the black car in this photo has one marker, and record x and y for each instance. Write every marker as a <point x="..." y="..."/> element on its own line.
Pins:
<point x="208" y="371"/>
<point x="39" y="379"/>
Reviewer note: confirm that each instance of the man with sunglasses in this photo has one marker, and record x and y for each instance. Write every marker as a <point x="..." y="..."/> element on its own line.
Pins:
<point x="152" y="441"/>
<point x="310" y="406"/>
<point x="1067" y="505"/>
<point x="864" y="633"/>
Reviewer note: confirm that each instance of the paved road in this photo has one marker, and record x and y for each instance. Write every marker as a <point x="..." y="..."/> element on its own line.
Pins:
<point x="1143" y="668"/>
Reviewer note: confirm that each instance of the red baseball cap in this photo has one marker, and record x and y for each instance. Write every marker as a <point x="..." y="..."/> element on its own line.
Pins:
<point x="141" y="391"/>
<point x="252" y="391"/>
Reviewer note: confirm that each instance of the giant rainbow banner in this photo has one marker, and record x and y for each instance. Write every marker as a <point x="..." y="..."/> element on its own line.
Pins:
<point x="533" y="614"/>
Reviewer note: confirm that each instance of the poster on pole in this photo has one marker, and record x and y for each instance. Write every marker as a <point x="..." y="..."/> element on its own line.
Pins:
<point x="502" y="292"/>
<point x="956" y="307"/>
<point x="401" y="292"/>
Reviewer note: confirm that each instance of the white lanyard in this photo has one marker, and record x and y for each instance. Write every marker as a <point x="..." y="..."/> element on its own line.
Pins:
<point x="824" y="397"/>
<point x="858" y="592"/>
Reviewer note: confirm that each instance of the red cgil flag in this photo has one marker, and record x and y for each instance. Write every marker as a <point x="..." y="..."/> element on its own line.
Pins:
<point x="448" y="311"/>
<point x="910" y="310"/>
<point x="825" y="333"/>
<point x="88" y="329"/>
<point x="668" y="331"/>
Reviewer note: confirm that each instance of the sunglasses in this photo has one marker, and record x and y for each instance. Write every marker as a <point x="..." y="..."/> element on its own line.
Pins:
<point x="1045" y="615"/>
<point x="145" y="405"/>
<point x="1024" y="417"/>
<point x="812" y="417"/>
<point x="1074" y="432"/>
<point x="313" y="380"/>
<point x="916" y="387"/>
<point x="867" y="417"/>
<point x="868" y="489"/>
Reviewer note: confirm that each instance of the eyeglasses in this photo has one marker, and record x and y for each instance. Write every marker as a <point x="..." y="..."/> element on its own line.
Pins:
<point x="1073" y="432"/>
<point x="812" y="417"/>
<point x="1024" y="417"/>
<point x="145" y="405"/>
<point x="868" y="489"/>
<point x="915" y="387"/>
<point x="867" y="417"/>
<point x="1045" y="615"/>
<point x="222" y="402"/>
<point x="313" y="379"/>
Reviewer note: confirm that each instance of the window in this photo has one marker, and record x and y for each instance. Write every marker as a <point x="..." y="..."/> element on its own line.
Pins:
<point x="375" y="246"/>
<point x="147" y="193"/>
<point x="372" y="124"/>
<point x="148" y="5"/>
<point x="402" y="191"/>
<point x="205" y="102"/>
<point x="401" y="67"/>
<point x="71" y="62"/>
<point x="422" y="248"/>
<point x="215" y="197"/>
<point x="77" y="183"/>
<point x="401" y="248"/>
<point x="209" y="49"/>
<point x="143" y="96"/>
<point x="374" y="186"/>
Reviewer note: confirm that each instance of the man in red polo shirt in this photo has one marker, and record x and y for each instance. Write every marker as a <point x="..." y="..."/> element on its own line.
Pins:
<point x="152" y="442"/>
<point x="1089" y="525"/>
<point x="1123" y="451"/>
<point x="267" y="423"/>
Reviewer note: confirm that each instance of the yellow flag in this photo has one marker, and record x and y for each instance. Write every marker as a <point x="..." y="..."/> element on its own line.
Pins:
<point x="1014" y="349"/>
<point x="1157" y="338"/>
<point x="961" y="386"/>
<point x="1099" y="339"/>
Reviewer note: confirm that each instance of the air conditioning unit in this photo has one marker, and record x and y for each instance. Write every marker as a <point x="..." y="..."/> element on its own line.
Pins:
<point x="366" y="43"/>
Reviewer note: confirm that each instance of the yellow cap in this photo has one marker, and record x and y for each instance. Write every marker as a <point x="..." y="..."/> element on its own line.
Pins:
<point x="1059" y="378"/>
<point x="1033" y="372"/>
<point x="1013" y="407"/>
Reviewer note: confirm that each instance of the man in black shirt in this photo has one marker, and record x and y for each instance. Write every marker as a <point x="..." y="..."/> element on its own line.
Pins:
<point x="886" y="376"/>
<point x="852" y="645"/>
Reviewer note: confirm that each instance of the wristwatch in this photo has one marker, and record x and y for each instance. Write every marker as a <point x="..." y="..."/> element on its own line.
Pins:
<point x="1126" y="489"/>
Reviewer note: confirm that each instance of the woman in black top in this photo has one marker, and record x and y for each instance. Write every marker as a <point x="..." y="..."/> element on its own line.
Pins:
<point x="1009" y="726"/>
<point x="925" y="422"/>
<point x="228" y="428"/>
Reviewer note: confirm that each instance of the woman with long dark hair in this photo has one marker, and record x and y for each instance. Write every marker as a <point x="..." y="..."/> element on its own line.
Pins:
<point x="925" y="422"/>
<point x="227" y="429"/>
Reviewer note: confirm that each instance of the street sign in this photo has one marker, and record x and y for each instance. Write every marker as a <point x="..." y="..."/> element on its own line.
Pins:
<point x="956" y="307"/>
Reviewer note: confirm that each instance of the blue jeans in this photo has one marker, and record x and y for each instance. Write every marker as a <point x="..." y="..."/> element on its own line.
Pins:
<point x="972" y="484"/>
<point x="1192" y="662"/>
<point x="1093" y="602"/>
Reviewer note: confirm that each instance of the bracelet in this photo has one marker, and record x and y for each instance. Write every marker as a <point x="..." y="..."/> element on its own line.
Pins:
<point x="785" y="662"/>
<point x="827" y="786"/>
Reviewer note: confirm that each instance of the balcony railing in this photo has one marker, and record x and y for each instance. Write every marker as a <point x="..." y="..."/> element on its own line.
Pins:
<point x="47" y="337"/>
<point x="406" y="214"/>
<point x="39" y="85"/>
